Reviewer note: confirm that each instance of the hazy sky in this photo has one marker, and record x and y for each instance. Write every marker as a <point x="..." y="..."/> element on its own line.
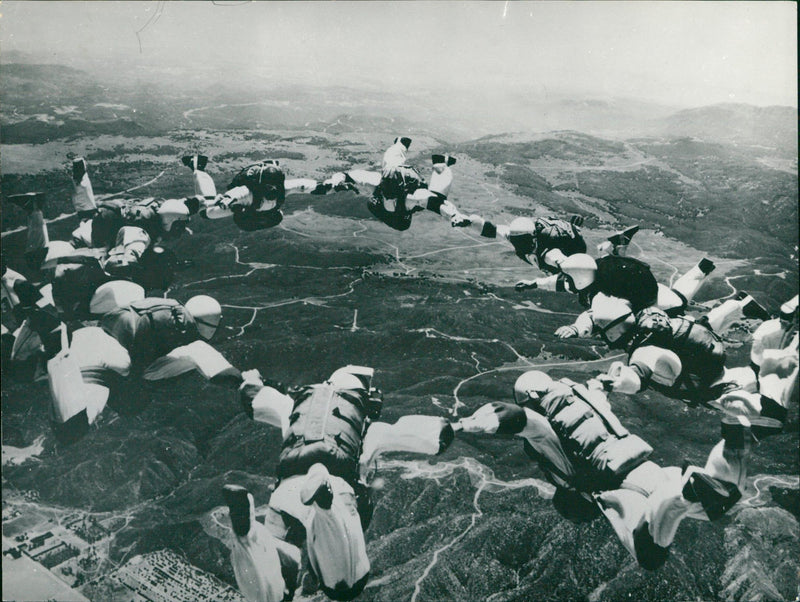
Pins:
<point x="684" y="53"/>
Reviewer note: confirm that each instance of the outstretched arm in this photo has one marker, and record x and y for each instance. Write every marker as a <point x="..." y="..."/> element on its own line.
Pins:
<point x="509" y="419"/>
<point x="487" y="228"/>
<point x="263" y="403"/>
<point x="646" y="364"/>
<point x="197" y="355"/>
<point x="582" y="327"/>
<point x="238" y="197"/>
<point x="416" y="433"/>
<point x="299" y="185"/>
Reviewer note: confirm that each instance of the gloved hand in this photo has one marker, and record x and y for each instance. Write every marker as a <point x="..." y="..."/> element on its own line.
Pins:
<point x="566" y="332"/>
<point x="613" y="379"/>
<point x="525" y="284"/>
<point x="459" y="220"/>
<point x="250" y="385"/>
<point x="595" y="384"/>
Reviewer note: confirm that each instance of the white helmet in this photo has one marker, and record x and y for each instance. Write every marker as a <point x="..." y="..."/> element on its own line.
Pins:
<point x="207" y="314"/>
<point x="533" y="381"/>
<point x="113" y="295"/>
<point x="352" y="377"/>
<point x="172" y="210"/>
<point x="55" y="251"/>
<point x="521" y="225"/>
<point x="581" y="268"/>
<point x="613" y="318"/>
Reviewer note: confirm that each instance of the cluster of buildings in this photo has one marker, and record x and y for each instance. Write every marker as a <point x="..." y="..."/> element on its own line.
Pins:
<point x="164" y="576"/>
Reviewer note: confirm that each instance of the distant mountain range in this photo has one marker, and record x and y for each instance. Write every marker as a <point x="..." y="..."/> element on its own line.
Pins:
<point x="33" y="92"/>
<point x="774" y="127"/>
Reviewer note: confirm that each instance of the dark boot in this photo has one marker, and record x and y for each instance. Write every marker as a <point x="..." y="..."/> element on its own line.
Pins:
<point x="238" y="502"/>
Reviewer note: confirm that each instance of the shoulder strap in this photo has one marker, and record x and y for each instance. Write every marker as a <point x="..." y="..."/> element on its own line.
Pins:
<point x="609" y="418"/>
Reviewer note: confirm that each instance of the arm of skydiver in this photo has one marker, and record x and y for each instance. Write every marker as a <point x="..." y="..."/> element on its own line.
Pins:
<point x="362" y="176"/>
<point x="235" y="199"/>
<point x="198" y="355"/>
<point x="346" y="181"/>
<point x="264" y="403"/>
<point x="509" y="419"/>
<point x="554" y="283"/>
<point x="429" y="435"/>
<point x="645" y="365"/>
<point x="487" y="229"/>
<point x="582" y="327"/>
<point x="299" y="185"/>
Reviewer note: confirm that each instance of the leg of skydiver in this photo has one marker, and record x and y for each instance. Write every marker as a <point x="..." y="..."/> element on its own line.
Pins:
<point x="37" y="236"/>
<point x="766" y="409"/>
<point x="83" y="196"/>
<point x="648" y="508"/>
<point x="688" y="284"/>
<point x="204" y="187"/>
<point x="425" y="199"/>
<point x="776" y="333"/>
<point x="257" y="562"/>
<point x="80" y="389"/>
<point x="723" y="316"/>
<point x="364" y="177"/>
<point x="617" y="244"/>
<point x="710" y="491"/>
<point x="337" y="551"/>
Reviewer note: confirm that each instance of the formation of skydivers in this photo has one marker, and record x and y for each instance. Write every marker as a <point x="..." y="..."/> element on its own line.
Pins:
<point x="119" y="255"/>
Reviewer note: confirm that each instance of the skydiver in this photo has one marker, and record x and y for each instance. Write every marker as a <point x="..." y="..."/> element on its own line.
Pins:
<point x="399" y="190"/>
<point x="150" y="338"/>
<point x="22" y="349"/>
<point x="329" y="443"/>
<point x="544" y="242"/>
<point x="685" y="359"/>
<point x="161" y="219"/>
<point x="254" y="197"/>
<point x="75" y="273"/>
<point x="623" y="277"/>
<point x="595" y="463"/>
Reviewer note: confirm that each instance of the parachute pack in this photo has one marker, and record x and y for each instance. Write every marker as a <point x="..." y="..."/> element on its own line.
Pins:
<point x="602" y="450"/>
<point x="327" y="426"/>
<point x="266" y="180"/>
<point x="150" y="328"/>
<point x="626" y="278"/>
<point x="552" y="233"/>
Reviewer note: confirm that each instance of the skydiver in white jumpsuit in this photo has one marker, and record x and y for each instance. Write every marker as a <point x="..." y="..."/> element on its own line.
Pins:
<point x="330" y="442"/>
<point x="644" y="502"/>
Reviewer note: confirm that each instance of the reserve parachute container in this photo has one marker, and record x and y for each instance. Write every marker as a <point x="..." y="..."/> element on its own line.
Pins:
<point x="602" y="451"/>
<point x="327" y="425"/>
